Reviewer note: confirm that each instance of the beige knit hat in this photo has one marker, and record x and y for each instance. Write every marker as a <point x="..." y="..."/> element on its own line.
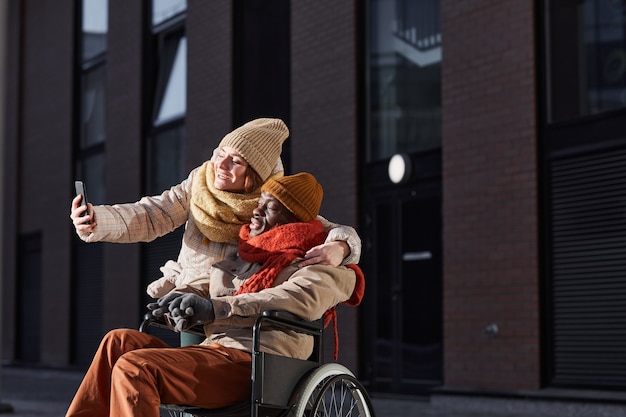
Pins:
<point x="300" y="193"/>
<point x="260" y="142"/>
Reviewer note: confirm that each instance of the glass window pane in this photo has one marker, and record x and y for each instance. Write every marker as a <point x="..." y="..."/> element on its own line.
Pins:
<point x="166" y="160"/>
<point x="164" y="9"/>
<point x="92" y="107"/>
<point x="174" y="102"/>
<point x="405" y="77"/>
<point x="588" y="57"/>
<point x="95" y="21"/>
<point x="91" y="171"/>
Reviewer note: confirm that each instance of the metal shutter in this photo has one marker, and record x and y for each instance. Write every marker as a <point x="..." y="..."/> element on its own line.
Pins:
<point x="588" y="230"/>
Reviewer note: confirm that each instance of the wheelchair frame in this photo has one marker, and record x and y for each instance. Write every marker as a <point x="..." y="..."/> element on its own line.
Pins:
<point x="283" y="386"/>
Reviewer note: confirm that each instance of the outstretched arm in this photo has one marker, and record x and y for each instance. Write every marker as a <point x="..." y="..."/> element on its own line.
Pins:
<point x="142" y="221"/>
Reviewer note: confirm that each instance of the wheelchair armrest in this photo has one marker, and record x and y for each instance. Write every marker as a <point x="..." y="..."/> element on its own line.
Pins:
<point x="292" y="322"/>
<point x="276" y="317"/>
<point x="150" y="320"/>
<point x="290" y="319"/>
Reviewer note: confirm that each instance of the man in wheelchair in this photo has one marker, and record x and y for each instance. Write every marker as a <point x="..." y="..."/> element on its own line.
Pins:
<point x="133" y="372"/>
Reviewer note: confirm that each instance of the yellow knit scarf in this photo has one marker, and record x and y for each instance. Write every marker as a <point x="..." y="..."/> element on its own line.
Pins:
<point x="220" y="214"/>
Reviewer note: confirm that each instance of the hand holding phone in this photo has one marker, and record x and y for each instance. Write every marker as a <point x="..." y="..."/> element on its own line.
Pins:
<point x="82" y="191"/>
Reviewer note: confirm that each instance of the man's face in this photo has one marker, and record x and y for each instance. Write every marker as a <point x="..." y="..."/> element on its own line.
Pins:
<point x="269" y="213"/>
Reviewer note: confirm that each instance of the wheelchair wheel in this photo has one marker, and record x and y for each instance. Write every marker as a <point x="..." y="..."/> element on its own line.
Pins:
<point x="331" y="390"/>
<point x="342" y="396"/>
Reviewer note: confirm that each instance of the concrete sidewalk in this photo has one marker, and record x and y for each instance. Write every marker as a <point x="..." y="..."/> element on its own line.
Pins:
<point x="47" y="393"/>
<point x="38" y="392"/>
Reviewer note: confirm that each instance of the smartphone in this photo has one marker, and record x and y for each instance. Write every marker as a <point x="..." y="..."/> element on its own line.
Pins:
<point x="80" y="189"/>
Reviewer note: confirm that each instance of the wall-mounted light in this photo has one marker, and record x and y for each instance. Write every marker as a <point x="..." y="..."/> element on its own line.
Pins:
<point x="399" y="168"/>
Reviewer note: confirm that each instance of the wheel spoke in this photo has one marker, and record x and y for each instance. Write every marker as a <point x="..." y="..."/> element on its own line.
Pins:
<point x="331" y="390"/>
<point x="342" y="396"/>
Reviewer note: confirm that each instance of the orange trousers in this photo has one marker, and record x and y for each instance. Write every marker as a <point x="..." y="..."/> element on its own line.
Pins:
<point x="132" y="373"/>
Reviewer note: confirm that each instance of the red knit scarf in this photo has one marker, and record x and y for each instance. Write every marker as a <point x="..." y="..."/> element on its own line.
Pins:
<point x="276" y="249"/>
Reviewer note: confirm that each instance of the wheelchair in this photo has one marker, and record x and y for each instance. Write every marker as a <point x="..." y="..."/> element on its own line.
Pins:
<point x="287" y="387"/>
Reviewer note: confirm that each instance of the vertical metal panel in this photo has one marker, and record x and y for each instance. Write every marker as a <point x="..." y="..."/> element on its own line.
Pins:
<point x="588" y="221"/>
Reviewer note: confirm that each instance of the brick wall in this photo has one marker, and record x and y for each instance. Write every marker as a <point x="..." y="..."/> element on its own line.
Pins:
<point x="209" y="78"/>
<point x="323" y="120"/>
<point x="124" y="147"/>
<point x="323" y="94"/>
<point x="490" y="194"/>
<point x="44" y="171"/>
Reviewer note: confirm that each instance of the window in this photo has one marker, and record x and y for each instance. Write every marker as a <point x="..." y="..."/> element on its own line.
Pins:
<point x="405" y="77"/>
<point x="94" y="28"/>
<point x="165" y="132"/>
<point x="92" y="106"/>
<point x="89" y="166"/>
<point x="90" y="149"/>
<point x="172" y="80"/>
<point x="587" y="57"/>
<point x="163" y="10"/>
<point x="165" y="141"/>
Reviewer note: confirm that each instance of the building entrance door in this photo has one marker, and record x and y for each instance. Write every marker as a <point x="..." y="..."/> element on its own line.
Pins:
<point x="402" y="259"/>
<point x="401" y="221"/>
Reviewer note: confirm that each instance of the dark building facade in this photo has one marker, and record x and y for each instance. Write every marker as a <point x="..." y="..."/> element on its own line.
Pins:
<point x="479" y="148"/>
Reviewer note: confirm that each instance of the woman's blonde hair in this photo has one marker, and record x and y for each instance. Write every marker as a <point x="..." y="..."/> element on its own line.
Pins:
<point x="252" y="181"/>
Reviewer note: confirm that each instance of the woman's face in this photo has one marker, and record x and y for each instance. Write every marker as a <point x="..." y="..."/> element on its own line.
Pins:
<point x="230" y="170"/>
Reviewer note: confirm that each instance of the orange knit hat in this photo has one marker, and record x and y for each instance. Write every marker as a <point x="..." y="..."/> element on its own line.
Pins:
<point x="300" y="193"/>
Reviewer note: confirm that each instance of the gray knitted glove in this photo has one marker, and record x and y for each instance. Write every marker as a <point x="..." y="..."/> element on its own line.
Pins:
<point x="161" y="306"/>
<point x="189" y="310"/>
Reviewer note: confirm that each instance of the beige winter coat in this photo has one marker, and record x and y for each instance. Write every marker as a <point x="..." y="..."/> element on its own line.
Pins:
<point x="307" y="292"/>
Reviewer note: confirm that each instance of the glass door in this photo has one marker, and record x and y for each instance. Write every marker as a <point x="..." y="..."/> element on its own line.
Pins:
<point x="402" y="260"/>
<point x="401" y="220"/>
